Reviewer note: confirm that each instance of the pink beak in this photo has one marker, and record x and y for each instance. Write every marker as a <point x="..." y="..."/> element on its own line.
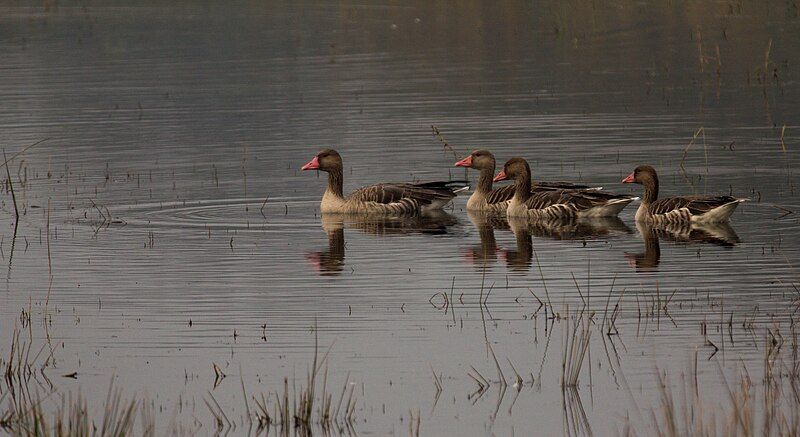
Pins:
<point x="466" y="162"/>
<point x="500" y="176"/>
<point x="312" y="165"/>
<point x="630" y="179"/>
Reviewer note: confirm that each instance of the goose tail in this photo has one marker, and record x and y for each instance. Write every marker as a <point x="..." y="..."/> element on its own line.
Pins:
<point x="719" y="214"/>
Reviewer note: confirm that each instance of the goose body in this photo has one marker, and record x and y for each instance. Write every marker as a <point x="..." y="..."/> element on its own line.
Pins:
<point x="556" y="204"/>
<point x="486" y="198"/>
<point x="379" y="199"/>
<point x="678" y="209"/>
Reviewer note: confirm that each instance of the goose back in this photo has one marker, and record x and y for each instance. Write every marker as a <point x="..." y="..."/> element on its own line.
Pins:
<point x="401" y="198"/>
<point x="559" y="204"/>
<point x="671" y="210"/>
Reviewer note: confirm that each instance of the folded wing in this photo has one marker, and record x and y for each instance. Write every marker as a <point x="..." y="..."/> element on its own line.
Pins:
<point x="406" y="197"/>
<point x="695" y="204"/>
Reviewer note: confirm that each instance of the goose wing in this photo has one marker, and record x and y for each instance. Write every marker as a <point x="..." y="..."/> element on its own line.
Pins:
<point x="423" y="193"/>
<point x="560" y="185"/>
<point x="500" y="195"/>
<point x="578" y="200"/>
<point x="572" y="201"/>
<point x="504" y="194"/>
<point x="380" y="193"/>
<point x="548" y="198"/>
<point x="696" y="205"/>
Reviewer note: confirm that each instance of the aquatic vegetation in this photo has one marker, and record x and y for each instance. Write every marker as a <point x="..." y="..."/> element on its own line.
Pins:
<point x="30" y="405"/>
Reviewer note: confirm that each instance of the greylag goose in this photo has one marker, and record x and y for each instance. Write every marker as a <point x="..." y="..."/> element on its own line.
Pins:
<point x="486" y="198"/>
<point x="556" y="204"/>
<point x="380" y="199"/>
<point x="696" y="209"/>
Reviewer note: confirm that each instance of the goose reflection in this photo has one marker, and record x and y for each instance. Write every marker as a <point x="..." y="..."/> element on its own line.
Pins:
<point x="560" y="229"/>
<point x="485" y="253"/>
<point x="330" y="262"/>
<point x="519" y="260"/>
<point x="719" y="234"/>
<point x="520" y="257"/>
<point x="572" y="229"/>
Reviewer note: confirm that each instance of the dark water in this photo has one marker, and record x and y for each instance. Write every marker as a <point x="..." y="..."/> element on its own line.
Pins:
<point x="182" y="233"/>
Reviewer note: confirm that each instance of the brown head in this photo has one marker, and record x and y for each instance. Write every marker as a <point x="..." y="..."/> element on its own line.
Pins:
<point x="479" y="160"/>
<point x="326" y="160"/>
<point x="643" y="175"/>
<point x="514" y="168"/>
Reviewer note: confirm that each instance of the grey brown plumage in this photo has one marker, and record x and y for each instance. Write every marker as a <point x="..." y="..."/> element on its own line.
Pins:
<point x="553" y="204"/>
<point x="694" y="204"/>
<point x="381" y="199"/>
<point x="487" y="198"/>
<point x="705" y="209"/>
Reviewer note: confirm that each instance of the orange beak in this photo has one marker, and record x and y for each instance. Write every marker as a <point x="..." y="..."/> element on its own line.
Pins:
<point x="500" y="176"/>
<point x="466" y="162"/>
<point x="312" y="165"/>
<point x="630" y="179"/>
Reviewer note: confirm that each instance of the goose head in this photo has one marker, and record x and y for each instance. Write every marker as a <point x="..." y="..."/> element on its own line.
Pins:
<point x="479" y="160"/>
<point x="643" y="175"/>
<point x="326" y="160"/>
<point x="514" y="168"/>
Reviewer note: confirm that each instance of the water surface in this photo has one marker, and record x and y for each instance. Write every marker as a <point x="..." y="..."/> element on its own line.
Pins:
<point x="183" y="235"/>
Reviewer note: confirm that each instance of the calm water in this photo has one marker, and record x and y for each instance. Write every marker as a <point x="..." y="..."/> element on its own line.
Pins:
<point x="183" y="235"/>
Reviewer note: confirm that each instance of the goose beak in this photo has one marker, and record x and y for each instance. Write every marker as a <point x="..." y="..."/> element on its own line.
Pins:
<point x="500" y="176"/>
<point x="466" y="162"/>
<point x="629" y="180"/>
<point x="312" y="165"/>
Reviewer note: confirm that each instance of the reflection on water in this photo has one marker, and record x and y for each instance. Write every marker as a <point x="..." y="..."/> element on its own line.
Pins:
<point x="600" y="228"/>
<point x="719" y="234"/>
<point x="518" y="259"/>
<point x="484" y="253"/>
<point x="571" y="229"/>
<point x="331" y="261"/>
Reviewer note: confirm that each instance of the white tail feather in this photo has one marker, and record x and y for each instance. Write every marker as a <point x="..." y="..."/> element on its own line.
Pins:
<point x="718" y="214"/>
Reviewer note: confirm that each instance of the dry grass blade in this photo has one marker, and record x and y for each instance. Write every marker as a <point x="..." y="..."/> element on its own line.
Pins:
<point x="576" y="344"/>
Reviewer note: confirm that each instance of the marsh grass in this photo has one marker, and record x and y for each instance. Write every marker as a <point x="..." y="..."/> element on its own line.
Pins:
<point x="308" y="407"/>
<point x="26" y="392"/>
<point x="769" y="407"/>
<point x="28" y="417"/>
<point x="576" y="344"/>
<point x="31" y="406"/>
